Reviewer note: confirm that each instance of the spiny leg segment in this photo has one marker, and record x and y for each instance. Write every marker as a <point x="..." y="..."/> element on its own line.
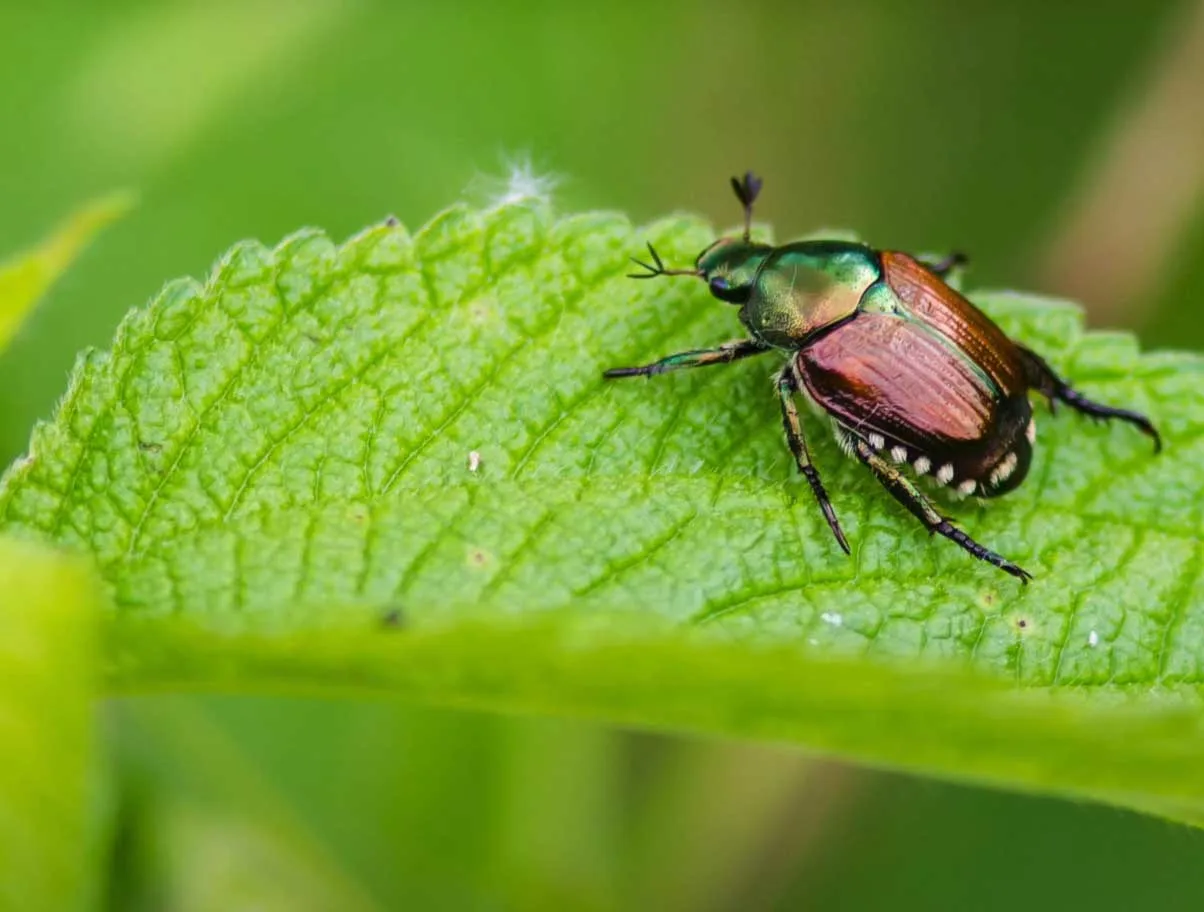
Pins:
<point x="787" y="387"/>
<point x="920" y="507"/>
<point x="1042" y="378"/>
<point x="724" y="354"/>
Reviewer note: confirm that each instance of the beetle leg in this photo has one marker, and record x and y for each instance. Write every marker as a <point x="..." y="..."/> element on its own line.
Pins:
<point x="1042" y="378"/>
<point x="787" y="387"/>
<point x="920" y="507"/>
<point x="946" y="264"/>
<point x="724" y="354"/>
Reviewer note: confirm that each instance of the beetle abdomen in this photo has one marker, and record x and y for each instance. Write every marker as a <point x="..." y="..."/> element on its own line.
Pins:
<point x="1001" y="460"/>
<point x="990" y="467"/>
<point x="908" y="394"/>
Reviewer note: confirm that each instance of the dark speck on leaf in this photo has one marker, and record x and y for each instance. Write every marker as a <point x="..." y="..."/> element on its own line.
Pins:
<point x="393" y="619"/>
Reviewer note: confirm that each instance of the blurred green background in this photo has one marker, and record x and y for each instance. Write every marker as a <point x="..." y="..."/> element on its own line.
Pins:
<point x="1060" y="144"/>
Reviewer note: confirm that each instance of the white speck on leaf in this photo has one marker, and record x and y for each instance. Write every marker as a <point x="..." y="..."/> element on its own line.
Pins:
<point x="832" y="617"/>
<point x="1093" y="639"/>
<point x="474" y="461"/>
<point x="521" y="184"/>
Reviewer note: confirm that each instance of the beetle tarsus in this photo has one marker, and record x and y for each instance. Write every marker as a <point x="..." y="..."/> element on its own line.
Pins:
<point x="922" y="509"/>
<point x="793" y="425"/>
<point x="955" y="534"/>
<point x="1042" y="378"/>
<point x="1101" y="412"/>
<point x="825" y="506"/>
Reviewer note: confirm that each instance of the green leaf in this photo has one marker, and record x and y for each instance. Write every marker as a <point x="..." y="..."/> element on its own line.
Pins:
<point x="47" y="683"/>
<point x="26" y="277"/>
<point x="273" y="471"/>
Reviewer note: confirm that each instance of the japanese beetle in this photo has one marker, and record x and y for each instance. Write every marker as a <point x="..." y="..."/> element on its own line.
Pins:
<point x="909" y="371"/>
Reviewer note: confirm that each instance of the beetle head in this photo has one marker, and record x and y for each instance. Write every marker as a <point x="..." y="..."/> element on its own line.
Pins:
<point x="730" y="266"/>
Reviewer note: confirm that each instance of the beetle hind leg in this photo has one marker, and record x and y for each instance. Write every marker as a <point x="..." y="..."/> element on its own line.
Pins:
<point x="919" y="506"/>
<point x="1042" y="378"/>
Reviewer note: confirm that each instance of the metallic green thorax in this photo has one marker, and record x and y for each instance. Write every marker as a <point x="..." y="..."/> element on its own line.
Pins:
<point x="794" y="291"/>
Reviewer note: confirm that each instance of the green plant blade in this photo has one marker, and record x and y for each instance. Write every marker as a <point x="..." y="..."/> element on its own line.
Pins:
<point x="276" y="469"/>
<point x="47" y="684"/>
<point x="917" y="717"/>
<point x="26" y="277"/>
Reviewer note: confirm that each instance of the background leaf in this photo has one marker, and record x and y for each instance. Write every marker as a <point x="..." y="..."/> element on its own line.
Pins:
<point x="25" y="277"/>
<point x="47" y="684"/>
<point x="272" y="470"/>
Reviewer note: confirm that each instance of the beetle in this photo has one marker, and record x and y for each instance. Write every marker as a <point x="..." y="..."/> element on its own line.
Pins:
<point x="915" y="379"/>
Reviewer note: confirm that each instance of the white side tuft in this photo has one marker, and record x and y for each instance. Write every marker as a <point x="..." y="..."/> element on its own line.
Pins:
<point x="1004" y="470"/>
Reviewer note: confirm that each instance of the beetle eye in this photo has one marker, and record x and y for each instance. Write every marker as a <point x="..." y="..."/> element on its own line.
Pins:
<point x="723" y="290"/>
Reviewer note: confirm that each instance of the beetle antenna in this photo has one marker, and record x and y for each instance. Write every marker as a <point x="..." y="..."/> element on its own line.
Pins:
<point x="746" y="191"/>
<point x="659" y="268"/>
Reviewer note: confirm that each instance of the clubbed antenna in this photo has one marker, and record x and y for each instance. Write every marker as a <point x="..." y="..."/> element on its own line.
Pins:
<point x="658" y="269"/>
<point x="746" y="191"/>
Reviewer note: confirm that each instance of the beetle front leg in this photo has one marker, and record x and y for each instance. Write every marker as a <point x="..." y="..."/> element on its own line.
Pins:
<point x="920" y="507"/>
<point x="1042" y="378"/>
<point x="724" y="354"/>
<point x="787" y="387"/>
